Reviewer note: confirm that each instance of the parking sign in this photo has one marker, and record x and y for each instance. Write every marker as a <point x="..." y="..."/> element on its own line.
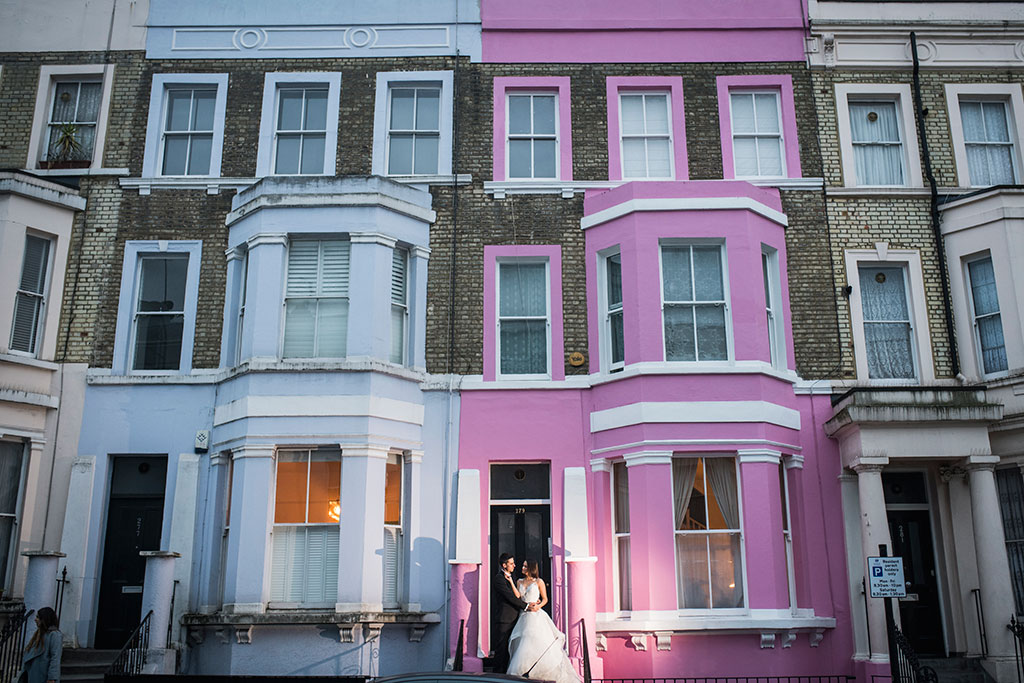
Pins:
<point x="885" y="577"/>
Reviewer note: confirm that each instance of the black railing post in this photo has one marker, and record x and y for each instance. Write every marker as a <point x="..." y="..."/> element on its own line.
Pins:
<point x="890" y="629"/>
<point x="12" y="644"/>
<point x="976" y="593"/>
<point x="586" y="653"/>
<point x="59" y="602"/>
<point x="132" y="657"/>
<point x="1017" y="629"/>
<point x="457" y="665"/>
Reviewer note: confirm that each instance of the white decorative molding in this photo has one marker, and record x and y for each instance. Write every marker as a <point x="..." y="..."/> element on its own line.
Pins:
<point x="500" y="189"/>
<point x="600" y="642"/>
<point x="684" y="204"/>
<point x="793" y="462"/>
<point x="256" y="42"/>
<point x="319" y="406"/>
<point x="760" y="620"/>
<point x="816" y="636"/>
<point x="63" y="172"/>
<point x="788" y="638"/>
<point x="673" y="443"/>
<point x="416" y="632"/>
<point x="689" y="412"/>
<point x="642" y="458"/>
<point x="664" y="640"/>
<point x="600" y="465"/>
<point x="222" y="635"/>
<point x="988" y="46"/>
<point x="759" y="455"/>
<point x="373" y="238"/>
<point x="639" y="641"/>
<point x="243" y="634"/>
<point x="211" y="185"/>
<point x="373" y="630"/>
<point x="347" y="633"/>
<point x="767" y="641"/>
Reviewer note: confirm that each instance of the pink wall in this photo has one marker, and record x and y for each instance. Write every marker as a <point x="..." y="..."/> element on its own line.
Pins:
<point x="783" y="84"/>
<point x="645" y="31"/>
<point x="672" y="85"/>
<point x="559" y="84"/>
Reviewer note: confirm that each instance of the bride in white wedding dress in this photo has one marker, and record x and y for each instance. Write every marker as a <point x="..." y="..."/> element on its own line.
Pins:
<point x="536" y="645"/>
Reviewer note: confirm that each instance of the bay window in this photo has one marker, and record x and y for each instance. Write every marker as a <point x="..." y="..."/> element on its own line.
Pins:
<point x="30" y="299"/>
<point x="399" y="304"/>
<point x="620" y="535"/>
<point x="307" y="510"/>
<point x="694" y="302"/>
<point x="614" y="337"/>
<point x="394" y="542"/>
<point x="709" y="564"/>
<point x="316" y="299"/>
<point x="988" y="324"/>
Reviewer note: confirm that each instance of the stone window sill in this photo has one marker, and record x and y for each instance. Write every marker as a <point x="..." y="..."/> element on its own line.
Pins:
<point x="215" y="185"/>
<point x="772" y="626"/>
<point x="567" y="188"/>
<point x="242" y="626"/>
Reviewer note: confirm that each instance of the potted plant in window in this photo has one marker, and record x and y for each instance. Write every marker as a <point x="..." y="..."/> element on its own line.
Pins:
<point x="66" y="150"/>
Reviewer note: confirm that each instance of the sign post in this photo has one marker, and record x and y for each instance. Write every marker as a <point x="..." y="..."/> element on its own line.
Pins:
<point x="886" y="581"/>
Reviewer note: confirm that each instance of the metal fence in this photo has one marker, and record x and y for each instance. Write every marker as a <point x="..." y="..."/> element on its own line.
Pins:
<point x="132" y="657"/>
<point x="1017" y="629"/>
<point x="12" y="644"/>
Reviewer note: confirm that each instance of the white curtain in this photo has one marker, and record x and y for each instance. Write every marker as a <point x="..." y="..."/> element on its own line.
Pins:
<point x="684" y="472"/>
<point x="987" y="317"/>
<point x="989" y="147"/>
<point x="877" y="147"/>
<point x="724" y="549"/>
<point x="721" y="477"/>
<point x="523" y="295"/>
<point x="886" y="323"/>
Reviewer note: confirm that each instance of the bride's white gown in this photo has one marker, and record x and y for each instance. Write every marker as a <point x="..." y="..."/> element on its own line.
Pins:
<point x="536" y="646"/>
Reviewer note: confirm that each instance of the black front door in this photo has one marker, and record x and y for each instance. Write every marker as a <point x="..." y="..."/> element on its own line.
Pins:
<point x="134" y="520"/>
<point x="919" y="611"/>
<point x="523" y="531"/>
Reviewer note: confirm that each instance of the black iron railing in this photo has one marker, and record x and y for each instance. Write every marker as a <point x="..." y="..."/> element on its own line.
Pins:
<point x="12" y="644"/>
<point x="58" y="603"/>
<point x="586" y="653"/>
<point x="1017" y="629"/>
<point x="457" y="666"/>
<point x="976" y="592"/>
<point x="906" y="668"/>
<point x="132" y="657"/>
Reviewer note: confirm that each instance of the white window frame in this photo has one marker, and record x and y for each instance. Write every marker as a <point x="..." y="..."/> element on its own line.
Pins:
<point x="242" y="295"/>
<point x="382" y="108"/>
<point x="505" y="260"/>
<point x="48" y="77"/>
<point x="509" y="136"/>
<point x="616" y="537"/>
<point x="645" y="93"/>
<point x="1011" y="95"/>
<point x="901" y="95"/>
<point x="781" y="135"/>
<point x="773" y="308"/>
<point x="45" y="296"/>
<point x="273" y="83"/>
<point x="401" y="306"/>
<point x="723" y="255"/>
<point x="124" y="337"/>
<point x="398" y="531"/>
<point x="274" y="524"/>
<point x="975" y="331"/>
<point x="152" y="159"/>
<point x="714" y="611"/>
<point x="347" y="296"/>
<point x="910" y="261"/>
<point x="606" y="312"/>
<point x="785" y="465"/>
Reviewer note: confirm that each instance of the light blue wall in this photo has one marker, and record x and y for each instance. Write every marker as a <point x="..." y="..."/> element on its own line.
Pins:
<point x="195" y="29"/>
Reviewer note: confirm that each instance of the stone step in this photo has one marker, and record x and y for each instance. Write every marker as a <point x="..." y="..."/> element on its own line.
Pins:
<point x="957" y="669"/>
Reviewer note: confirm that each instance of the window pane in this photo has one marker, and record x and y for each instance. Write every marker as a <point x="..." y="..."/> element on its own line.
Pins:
<point x="770" y="155"/>
<point x="658" y="158"/>
<point x="287" y="154"/>
<point x="313" y="154"/>
<point x="620" y="485"/>
<point x="158" y="342"/>
<point x="400" y="155"/>
<point x="523" y="347"/>
<point x="993" y="349"/>
<point x="614" y="280"/>
<point x="745" y="156"/>
<point x="874" y="122"/>
<point x="726" y="571"/>
<point x="316" y="110"/>
<point x="426" y="154"/>
<point x="679" y="343"/>
<point x="25" y="326"/>
<point x="199" y="155"/>
<point x="175" y="151"/>
<point x="519" y="114"/>
<point x="889" y="351"/>
<point x="402" y="102"/>
<point x="523" y="290"/>
<point x="428" y="109"/>
<point x="692" y="561"/>
<point x="544" y="158"/>
<point x="393" y="493"/>
<point x="983" y="287"/>
<point x="632" y="114"/>
<point x="973" y="120"/>
<point x="883" y="294"/>
<point x="289" y="115"/>
<point x="6" y="531"/>
<point x="163" y="284"/>
<point x="299" y="328"/>
<point x="203" y="106"/>
<point x="618" y="338"/>
<point x="86" y="136"/>
<point x="331" y="328"/>
<point x="707" y="267"/>
<point x="657" y="114"/>
<point x="544" y="114"/>
<point x="89" y="102"/>
<point x="625" y="574"/>
<point x="397" y="334"/>
<point x="995" y="122"/>
<point x="65" y="102"/>
<point x="711" y="332"/>
<point x="675" y="263"/>
<point x="33" y="264"/>
<point x="634" y="158"/>
<point x="878" y="164"/>
<point x="742" y="107"/>
<point x="179" y="104"/>
<point x="723" y="503"/>
<point x="767" y="109"/>
<point x="519" y="163"/>
<point x="11" y="456"/>
<point x="324" y="487"/>
<point x="290" y="496"/>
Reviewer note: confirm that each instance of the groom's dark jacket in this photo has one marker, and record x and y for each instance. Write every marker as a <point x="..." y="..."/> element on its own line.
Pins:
<point x="506" y="606"/>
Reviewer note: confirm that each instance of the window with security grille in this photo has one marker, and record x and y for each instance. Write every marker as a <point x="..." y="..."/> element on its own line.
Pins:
<point x="30" y="299"/>
<point x="316" y="299"/>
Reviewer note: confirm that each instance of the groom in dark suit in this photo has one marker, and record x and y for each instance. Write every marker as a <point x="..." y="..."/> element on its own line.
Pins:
<point x="505" y="610"/>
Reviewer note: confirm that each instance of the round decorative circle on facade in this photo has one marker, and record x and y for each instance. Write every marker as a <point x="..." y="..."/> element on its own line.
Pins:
<point x="360" y="37"/>
<point x="250" y="38"/>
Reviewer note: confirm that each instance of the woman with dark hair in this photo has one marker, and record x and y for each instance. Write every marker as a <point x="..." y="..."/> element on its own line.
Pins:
<point x="536" y="645"/>
<point x="41" y="662"/>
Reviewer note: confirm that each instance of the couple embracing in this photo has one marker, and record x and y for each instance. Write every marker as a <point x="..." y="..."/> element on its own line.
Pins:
<point x="526" y="642"/>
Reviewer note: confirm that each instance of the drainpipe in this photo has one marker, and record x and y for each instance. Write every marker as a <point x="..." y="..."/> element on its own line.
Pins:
<point x="943" y="272"/>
